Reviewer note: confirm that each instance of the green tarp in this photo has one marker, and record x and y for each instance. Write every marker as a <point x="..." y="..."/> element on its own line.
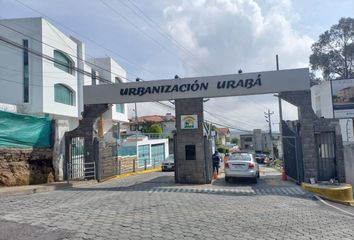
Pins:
<point x="22" y="131"/>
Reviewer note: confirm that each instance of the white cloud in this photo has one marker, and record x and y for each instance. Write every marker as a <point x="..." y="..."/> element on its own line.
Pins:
<point x="226" y="35"/>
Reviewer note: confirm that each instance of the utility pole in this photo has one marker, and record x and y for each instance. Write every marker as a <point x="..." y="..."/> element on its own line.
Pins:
<point x="136" y="127"/>
<point x="269" y="120"/>
<point x="280" y="146"/>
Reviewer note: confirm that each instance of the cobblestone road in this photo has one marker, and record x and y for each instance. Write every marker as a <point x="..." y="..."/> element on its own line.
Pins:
<point x="151" y="206"/>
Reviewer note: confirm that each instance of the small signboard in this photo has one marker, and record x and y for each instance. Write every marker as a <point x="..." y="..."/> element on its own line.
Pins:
<point x="343" y="98"/>
<point x="189" y="121"/>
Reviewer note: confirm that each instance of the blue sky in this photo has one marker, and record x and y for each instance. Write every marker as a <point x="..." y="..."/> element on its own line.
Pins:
<point x="198" y="38"/>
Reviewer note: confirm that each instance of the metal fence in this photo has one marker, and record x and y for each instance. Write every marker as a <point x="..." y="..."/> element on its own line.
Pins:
<point x="81" y="171"/>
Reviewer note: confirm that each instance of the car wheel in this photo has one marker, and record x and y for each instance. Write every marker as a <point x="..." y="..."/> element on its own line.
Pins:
<point x="227" y="179"/>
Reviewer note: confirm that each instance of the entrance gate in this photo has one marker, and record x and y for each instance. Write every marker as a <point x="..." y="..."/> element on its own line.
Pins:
<point x="192" y="163"/>
<point x="292" y="151"/>
<point x="76" y="167"/>
<point x="326" y="158"/>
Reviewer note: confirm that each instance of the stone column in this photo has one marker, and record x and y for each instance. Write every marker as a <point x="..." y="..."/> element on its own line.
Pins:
<point x="191" y="171"/>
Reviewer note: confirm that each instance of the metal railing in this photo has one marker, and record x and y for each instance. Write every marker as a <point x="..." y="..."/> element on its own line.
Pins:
<point x="148" y="135"/>
<point x="81" y="171"/>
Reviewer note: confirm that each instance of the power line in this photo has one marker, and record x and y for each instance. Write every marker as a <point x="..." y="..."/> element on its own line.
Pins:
<point x="39" y="54"/>
<point x="90" y="40"/>
<point x="145" y="34"/>
<point x="78" y="58"/>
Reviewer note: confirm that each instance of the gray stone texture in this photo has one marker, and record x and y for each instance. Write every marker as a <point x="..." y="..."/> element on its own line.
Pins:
<point x="310" y="124"/>
<point x="152" y="206"/>
<point x="191" y="171"/>
<point x="349" y="162"/>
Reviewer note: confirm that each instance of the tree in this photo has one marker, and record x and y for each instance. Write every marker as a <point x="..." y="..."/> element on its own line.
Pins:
<point x="155" y="128"/>
<point x="333" y="53"/>
<point x="235" y="140"/>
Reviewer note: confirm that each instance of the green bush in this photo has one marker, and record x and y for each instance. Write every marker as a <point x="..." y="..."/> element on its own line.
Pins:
<point x="220" y="150"/>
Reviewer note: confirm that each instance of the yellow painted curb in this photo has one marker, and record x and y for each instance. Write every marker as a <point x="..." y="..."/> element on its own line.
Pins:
<point x="124" y="175"/>
<point x="341" y="194"/>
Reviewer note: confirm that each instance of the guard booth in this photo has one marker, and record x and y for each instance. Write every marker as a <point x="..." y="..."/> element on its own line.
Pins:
<point x="192" y="149"/>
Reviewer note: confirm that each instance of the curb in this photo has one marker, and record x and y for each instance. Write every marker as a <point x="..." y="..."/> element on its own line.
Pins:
<point x="125" y="175"/>
<point x="341" y="194"/>
<point x="31" y="189"/>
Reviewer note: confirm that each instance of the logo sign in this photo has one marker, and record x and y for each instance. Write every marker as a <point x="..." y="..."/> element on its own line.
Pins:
<point x="343" y="98"/>
<point x="189" y="121"/>
<point x="199" y="87"/>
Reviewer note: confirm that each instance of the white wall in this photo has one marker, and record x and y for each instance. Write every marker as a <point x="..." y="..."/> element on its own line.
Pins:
<point x="53" y="75"/>
<point x="11" y="64"/>
<point x="321" y="98"/>
<point x="42" y="73"/>
<point x="108" y="69"/>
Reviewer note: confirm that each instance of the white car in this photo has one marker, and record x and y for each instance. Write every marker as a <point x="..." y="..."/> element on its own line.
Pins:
<point x="168" y="164"/>
<point x="241" y="165"/>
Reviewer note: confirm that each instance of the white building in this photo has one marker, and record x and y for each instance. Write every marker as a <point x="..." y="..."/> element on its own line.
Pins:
<point x="38" y="71"/>
<point x="106" y="69"/>
<point x="321" y="97"/>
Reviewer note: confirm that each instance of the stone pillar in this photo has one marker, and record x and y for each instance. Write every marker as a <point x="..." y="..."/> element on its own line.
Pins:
<point x="310" y="124"/>
<point x="195" y="171"/>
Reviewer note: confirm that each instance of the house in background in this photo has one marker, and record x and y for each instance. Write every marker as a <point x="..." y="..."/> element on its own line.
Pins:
<point x="259" y="141"/>
<point x="222" y="136"/>
<point x="38" y="67"/>
<point x="167" y="123"/>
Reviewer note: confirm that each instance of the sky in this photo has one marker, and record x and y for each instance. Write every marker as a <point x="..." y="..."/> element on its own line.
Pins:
<point x="158" y="39"/>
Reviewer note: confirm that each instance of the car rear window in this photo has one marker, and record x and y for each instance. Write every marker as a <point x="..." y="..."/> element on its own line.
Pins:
<point x="241" y="157"/>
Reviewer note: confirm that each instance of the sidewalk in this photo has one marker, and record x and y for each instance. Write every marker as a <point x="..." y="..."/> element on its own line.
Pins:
<point x="29" y="189"/>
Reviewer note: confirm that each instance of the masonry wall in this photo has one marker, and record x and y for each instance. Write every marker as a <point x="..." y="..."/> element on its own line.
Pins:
<point x="196" y="171"/>
<point x="310" y="125"/>
<point x="25" y="166"/>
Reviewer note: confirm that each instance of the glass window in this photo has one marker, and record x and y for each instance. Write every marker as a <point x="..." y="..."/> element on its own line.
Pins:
<point x="25" y="72"/>
<point x="63" y="62"/>
<point x="120" y="108"/>
<point x="63" y="94"/>
<point x="239" y="156"/>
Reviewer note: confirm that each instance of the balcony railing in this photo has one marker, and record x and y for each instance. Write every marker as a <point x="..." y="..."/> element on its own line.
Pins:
<point x="147" y="135"/>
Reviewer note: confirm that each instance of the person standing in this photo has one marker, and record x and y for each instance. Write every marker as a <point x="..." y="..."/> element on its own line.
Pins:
<point x="216" y="162"/>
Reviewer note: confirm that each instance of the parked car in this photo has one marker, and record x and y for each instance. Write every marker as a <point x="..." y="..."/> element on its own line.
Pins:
<point x="241" y="165"/>
<point x="168" y="164"/>
<point x="260" y="158"/>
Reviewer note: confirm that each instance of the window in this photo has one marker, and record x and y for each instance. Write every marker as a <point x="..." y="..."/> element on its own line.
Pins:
<point x="133" y="127"/>
<point x="120" y="108"/>
<point x="63" y="94"/>
<point x="63" y="62"/>
<point x="25" y="72"/>
<point x="248" y="139"/>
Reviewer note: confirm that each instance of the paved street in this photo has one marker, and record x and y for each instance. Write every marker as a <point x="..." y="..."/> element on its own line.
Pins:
<point x="151" y="206"/>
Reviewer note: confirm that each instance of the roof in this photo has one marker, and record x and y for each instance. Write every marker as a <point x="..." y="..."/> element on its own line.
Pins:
<point x="154" y="119"/>
<point x="222" y="131"/>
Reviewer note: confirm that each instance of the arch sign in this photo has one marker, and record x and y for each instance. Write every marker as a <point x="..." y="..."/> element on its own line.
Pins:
<point x="199" y="87"/>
